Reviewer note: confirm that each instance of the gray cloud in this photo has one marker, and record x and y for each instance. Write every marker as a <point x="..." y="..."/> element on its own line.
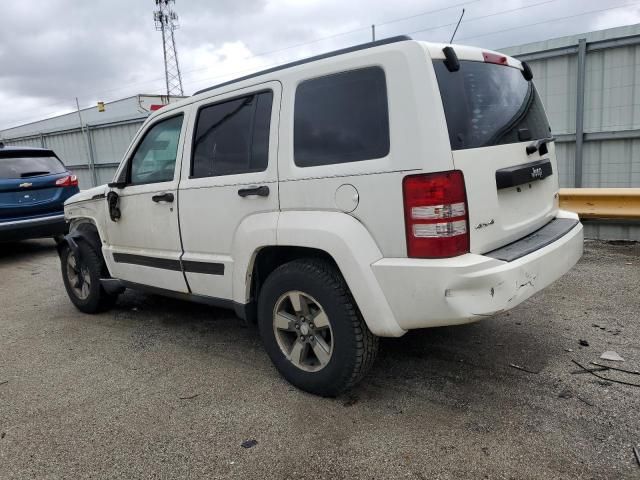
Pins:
<point x="51" y="52"/>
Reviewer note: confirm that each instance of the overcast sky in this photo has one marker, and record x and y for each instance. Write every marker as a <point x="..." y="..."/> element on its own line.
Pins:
<point x="52" y="51"/>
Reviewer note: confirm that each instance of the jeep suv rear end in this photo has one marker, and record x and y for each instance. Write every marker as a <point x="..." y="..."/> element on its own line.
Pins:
<point x="487" y="234"/>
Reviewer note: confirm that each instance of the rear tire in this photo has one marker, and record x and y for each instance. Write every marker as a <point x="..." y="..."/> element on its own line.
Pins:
<point x="293" y="297"/>
<point x="81" y="277"/>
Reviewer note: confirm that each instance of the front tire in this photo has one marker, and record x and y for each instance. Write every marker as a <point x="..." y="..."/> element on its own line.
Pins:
<point x="312" y="329"/>
<point x="81" y="276"/>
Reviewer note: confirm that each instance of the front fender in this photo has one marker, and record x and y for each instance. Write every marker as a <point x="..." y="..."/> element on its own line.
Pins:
<point x="88" y="207"/>
<point x="69" y="240"/>
<point x="81" y="230"/>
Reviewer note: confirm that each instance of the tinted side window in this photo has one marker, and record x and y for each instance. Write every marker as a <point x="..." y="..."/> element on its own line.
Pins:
<point x="155" y="157"/>
<point x="232" y="137"/>
<point x="341" y="118"/>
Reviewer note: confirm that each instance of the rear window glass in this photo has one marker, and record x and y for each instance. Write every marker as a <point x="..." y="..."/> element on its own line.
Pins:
<point x="23" y="167"/>
<point x="487" y="104"/>
<point x="341" y="118"/>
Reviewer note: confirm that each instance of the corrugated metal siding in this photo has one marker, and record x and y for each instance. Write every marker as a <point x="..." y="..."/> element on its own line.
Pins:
<point x="108" y="143"/>
<point x="611" y="163"/>
<point x="611" y="104"/>
<point x="564" y="154"/>
<point x="612" y="93"/>
<point x="105" y="174"/>
<point x="84" y="176"/>
<point x="71" y="147"/>
<point x="26" y="142"/>
<point x="555" y="79"/>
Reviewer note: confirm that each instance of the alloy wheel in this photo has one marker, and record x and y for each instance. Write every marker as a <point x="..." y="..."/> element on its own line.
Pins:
<point x="79" y="277"/>
<point x="303" y="331"/>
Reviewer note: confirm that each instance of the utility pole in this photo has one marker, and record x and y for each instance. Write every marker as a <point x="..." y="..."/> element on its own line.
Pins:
<point x="87" y="146"/>
<point x="166" y="20"/>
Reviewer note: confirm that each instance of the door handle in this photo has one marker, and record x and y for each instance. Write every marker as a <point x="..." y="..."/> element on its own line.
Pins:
<point x="261" y="191"/>
<point x="163" y="197"/>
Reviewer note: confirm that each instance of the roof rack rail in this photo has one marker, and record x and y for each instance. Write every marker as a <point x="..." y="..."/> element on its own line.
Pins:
<point x="355" y="48"/>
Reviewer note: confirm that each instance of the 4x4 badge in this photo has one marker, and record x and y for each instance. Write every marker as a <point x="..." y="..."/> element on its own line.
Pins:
<point x="25" y="185"/>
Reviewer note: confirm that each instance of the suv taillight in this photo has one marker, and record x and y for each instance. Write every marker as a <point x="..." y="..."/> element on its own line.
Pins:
<point x="435" y="213"/>
<point x="68" y="181"/>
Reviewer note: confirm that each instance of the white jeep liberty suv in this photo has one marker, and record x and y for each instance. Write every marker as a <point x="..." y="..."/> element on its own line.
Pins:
<point x="362" y="193"/>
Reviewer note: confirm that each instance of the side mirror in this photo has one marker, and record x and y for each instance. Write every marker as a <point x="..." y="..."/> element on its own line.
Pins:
<point x="119" y="185"/>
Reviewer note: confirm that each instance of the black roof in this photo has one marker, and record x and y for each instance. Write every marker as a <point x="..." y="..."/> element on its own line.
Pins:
<point x="8" y="151"/>
<point x="335" y="53"/>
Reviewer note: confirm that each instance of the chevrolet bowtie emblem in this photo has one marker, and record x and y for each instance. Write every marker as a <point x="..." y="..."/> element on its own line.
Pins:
<point x="25" y="185"/>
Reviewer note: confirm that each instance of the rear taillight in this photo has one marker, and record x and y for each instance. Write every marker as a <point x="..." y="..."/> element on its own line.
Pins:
<point x="68" y="181"/>
<point x="435" y="212"/>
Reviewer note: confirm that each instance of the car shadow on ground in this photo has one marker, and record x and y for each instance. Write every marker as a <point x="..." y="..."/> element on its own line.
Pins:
<point x="16" y="251"/>
<point x="428" y="358"/>
<point x="467" y="360"/>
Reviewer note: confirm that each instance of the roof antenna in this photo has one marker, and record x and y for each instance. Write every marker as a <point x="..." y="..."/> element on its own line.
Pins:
<point x="456" y="30"/>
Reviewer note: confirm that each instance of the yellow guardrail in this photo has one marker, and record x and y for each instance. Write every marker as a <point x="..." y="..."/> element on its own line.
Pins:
<point x="615" y="203"/>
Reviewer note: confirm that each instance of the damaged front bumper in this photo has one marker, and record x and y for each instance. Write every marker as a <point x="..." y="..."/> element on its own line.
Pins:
<point x="430" y="293"/>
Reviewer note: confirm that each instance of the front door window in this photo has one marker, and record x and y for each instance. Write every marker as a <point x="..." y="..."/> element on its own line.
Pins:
<point x="155" y="157"/>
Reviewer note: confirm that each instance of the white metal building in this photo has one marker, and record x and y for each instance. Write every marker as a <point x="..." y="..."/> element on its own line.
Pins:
<point x="94" y="150"/>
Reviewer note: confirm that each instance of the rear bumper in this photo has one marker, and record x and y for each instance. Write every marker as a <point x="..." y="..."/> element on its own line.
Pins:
<point x="38" y="227"/>
<point x="430" y="293"/>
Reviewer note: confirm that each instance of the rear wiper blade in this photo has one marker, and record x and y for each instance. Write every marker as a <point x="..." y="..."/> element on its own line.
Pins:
<point x="33" y="174"/>
<point x="539" y="145"/>
<point x="516" y="119"/>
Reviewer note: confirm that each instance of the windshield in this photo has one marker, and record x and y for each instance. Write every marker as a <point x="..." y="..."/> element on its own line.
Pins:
<point x="23" y="167"/>
<point x="487" y="104"/>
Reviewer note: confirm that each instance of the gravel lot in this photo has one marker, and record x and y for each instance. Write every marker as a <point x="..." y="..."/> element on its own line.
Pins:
<point x="160" y="388"/>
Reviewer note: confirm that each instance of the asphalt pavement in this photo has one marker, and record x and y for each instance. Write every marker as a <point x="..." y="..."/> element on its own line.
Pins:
<point x="161" y="388"/>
